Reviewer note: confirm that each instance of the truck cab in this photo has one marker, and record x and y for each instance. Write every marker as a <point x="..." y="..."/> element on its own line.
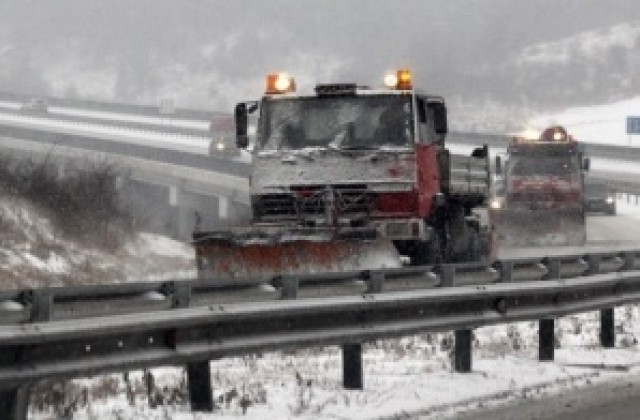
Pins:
<point x="543" y="198"/>
<point x="362" y="159"/>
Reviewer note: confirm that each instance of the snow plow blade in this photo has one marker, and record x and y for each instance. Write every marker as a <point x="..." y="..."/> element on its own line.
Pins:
<point x="264" y="255"/>
<point x="539" y="228"/>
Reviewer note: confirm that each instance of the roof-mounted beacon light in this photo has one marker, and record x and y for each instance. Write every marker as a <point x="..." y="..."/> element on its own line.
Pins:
<point x="400" y="80"/>
<point x="404" y="79"/>
<point x="555" y="133"/>
<point x="280" y="83"/>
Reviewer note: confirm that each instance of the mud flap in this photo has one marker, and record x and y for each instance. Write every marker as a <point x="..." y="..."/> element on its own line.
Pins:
<point x="224" y="260"/>
<point x="549" y="227"/>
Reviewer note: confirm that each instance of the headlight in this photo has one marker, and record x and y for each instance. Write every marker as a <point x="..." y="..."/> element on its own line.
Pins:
<point x="496" y="204"/>
<point x="220" y="146"/>
<point x="609" y="200"/>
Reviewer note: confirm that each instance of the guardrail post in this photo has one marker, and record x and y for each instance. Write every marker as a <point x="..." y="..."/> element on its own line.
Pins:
<point x="607" y="331"/>
<point x="463" y="338"/>
<point x="14" y="403"/>
<point x="594" y="264"/>
<point x="352" y="371"/>
<point x="41" y="307"/>
<point x="289" y="288"/>
<point x="462" y="351"/>
<point x="546" y="327"/>
<point x="447" y="275"/>
<point x="198" y="373"/>
<point x="506" y="271"/>
<point x="375" y="282"/>
<point x="629" y="261"/>
<point x="607" y="319"/>
<point x="200" y="389"/>
<point x="553" y="265"/>
<point x="546" y="336"/>
<point x="352" y="376"/>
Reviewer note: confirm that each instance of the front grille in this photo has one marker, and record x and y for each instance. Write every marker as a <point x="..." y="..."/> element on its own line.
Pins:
<point x="312" y="202"/>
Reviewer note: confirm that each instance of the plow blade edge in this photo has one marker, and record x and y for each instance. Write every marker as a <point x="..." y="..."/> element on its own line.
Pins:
<point x="224" y="259"/>
<point x="539" y="228"/>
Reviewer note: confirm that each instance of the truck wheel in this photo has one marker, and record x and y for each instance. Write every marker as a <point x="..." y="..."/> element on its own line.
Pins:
<point x="426" y="252"/>
<point x="473" y="254"/>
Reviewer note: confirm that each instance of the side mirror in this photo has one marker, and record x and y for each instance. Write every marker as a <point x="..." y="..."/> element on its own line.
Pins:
<point x="480" y="152"/>
<point x="498" y="165"/>
<point x="242" y="121"/>
<point x="439" y="117"/>
<point x="241" y="115"/>
<point x="586" y="164"/>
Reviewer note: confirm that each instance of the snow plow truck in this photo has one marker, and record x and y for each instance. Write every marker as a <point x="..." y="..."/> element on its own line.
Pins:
<point x="349" y="178"/>
<point x="543" y="191"/>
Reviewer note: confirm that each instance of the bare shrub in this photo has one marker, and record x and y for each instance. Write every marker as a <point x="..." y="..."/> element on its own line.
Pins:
<point x="80" y="198"/>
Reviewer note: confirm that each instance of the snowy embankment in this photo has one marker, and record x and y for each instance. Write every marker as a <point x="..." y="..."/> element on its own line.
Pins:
<point x="34" y="252"/>
<point x="406" y="378"/>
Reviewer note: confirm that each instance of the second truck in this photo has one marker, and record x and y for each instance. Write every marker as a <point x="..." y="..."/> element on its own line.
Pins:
<point x="349" y="178"/>
<point x="541" y="198"/>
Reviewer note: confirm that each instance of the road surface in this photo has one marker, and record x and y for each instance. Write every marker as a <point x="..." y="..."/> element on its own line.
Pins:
<point x="618" y="400"/>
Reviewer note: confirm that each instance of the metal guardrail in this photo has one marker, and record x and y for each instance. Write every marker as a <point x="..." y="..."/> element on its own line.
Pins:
<point x="115" y="107"/>
<point x="165" y="127"/>
<point x="100" y="328"/>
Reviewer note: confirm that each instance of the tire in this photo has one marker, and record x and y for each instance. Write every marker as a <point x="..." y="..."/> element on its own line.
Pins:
<point x="426" y="252"/>
<point x="475" y="248"/>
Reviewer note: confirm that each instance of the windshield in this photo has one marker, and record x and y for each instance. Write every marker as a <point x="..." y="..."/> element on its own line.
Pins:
<point x="337" y="122"/>
<point x="549" y="165"/>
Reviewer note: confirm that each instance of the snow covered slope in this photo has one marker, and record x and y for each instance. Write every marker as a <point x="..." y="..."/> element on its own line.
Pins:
<point x="35" y="253"/>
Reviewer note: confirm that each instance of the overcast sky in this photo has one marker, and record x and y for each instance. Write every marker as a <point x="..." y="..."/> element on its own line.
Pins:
<point x="213" y="52"/>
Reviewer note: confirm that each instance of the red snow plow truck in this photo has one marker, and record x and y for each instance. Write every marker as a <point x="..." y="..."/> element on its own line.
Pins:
<point x="542" y="192"/>
<point x="349" y="178"/>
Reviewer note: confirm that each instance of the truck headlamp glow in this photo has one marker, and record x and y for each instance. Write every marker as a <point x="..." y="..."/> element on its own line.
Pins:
<point x="531" y="135"/>
<point x="391" y="81"/>
<point x="280" y="83"/>
<point x="609" y="200"/>
<point x="401" y="79"/>
<point x="558" y="136"/>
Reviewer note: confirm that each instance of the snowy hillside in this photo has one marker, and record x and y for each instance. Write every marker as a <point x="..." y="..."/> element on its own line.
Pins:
<point x="584" y="69"/>
<point x="593" y="45"/>
<point x="34" y="252"/>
